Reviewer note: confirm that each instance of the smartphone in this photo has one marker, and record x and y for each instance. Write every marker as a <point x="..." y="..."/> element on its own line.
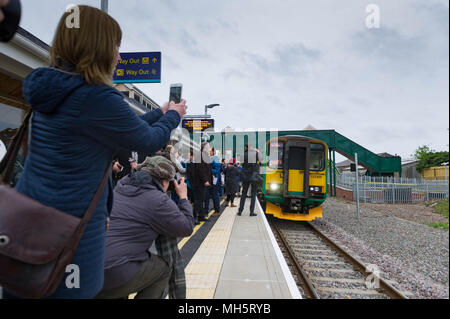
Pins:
<point x="175" y="92"/>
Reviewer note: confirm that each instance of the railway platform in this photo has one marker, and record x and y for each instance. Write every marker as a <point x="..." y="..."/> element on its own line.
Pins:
<point x="239" y="259"/>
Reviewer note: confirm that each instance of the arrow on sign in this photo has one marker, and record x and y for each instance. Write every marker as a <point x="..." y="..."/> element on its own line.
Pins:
<point x="154" y="60"/>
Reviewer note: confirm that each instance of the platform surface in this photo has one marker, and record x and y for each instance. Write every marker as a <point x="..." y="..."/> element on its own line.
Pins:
<point x="239" y="259"/>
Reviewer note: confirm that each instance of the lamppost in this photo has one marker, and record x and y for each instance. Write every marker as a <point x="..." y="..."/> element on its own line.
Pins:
<point x="104" y="5"/>
<point x="209" y="106"/>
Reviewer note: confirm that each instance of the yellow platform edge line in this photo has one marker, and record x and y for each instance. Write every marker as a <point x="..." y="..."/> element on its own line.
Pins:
<point x="196" y="228"/>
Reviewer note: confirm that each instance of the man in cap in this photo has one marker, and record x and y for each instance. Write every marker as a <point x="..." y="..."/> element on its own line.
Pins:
<point x="141" y="212"/>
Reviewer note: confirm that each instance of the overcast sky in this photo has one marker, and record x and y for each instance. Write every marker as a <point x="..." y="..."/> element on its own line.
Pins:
<point x="288" y="64"/>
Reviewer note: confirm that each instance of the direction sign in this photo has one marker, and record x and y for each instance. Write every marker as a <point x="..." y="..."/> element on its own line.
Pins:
<point x="138" y="67"/>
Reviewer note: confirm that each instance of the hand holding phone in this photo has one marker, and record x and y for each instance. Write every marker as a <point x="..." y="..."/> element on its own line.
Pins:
<point x="180" y="108"/>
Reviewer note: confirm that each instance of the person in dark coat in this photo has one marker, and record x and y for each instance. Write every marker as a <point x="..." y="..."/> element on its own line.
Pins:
<point x="142" y="211"/>
<point x="190" y="176"/>
<point x="231" y="182"/>
<point x="201" y="177"/>
<point x="250" y="177"/>
<point x="79" y="122"/>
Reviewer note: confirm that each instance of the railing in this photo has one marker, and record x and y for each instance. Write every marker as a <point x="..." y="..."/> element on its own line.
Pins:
<point x="393" y="190"/>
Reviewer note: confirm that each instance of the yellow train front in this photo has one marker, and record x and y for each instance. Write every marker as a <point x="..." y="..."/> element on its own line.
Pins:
<point x="295" y="178"/>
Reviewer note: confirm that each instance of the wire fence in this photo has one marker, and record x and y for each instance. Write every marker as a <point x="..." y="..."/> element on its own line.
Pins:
<point x="393" y="189"/>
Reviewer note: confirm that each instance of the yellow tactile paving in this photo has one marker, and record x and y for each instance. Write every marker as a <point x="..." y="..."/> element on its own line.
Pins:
<point x="202" y="281"/>
<point x="203" y="271"/>
<point x="207" y="259"/>
<point x="200" y="293"/>
<point x="197" y="227"/>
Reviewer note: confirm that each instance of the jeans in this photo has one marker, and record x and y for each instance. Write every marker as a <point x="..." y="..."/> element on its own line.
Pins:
<point x="245" y="187"/>
<point x="212" y="191"/>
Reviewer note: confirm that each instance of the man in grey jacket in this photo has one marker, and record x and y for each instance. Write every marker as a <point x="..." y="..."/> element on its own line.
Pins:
<point x="141" y="212"/>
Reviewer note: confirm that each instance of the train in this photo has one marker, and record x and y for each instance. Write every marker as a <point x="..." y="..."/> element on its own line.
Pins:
<point x="295" y="178"/>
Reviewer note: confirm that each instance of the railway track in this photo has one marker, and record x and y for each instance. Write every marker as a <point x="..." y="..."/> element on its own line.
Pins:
<point x="324" y="269"/>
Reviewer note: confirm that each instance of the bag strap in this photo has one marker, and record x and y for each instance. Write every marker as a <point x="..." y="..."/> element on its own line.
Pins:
<point x="93" y="204"/>
<point x="8" y="161"/>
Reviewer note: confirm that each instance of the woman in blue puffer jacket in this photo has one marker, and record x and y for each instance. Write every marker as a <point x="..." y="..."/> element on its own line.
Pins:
<point x="79" y="122"/>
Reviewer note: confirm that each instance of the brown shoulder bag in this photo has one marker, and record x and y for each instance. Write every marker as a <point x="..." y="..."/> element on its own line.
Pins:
<point x="37" y="242"/>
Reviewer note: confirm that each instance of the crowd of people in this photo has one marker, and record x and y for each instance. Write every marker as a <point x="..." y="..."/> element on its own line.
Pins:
<point x="80" y="123"/>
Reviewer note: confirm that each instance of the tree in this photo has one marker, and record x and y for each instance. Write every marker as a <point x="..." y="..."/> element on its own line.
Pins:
<point x="429" y="158"/>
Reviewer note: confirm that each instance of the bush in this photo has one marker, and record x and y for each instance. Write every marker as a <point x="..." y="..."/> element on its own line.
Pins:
<point x="429" y="158"/>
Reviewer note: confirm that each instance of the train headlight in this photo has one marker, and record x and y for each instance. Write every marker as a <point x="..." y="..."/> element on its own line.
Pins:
<point x="315" y="189"/>
<point x="275" y="188"/>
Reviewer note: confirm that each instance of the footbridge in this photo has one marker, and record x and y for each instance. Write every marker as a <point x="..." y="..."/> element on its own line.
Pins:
<point x="231" y="145"/>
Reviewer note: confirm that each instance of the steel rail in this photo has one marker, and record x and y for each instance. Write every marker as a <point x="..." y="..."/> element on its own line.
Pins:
<point x="310" y="290"/>
<point x="385" y="287"/>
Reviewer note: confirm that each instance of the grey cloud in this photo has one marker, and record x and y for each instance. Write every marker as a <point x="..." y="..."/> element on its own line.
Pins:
<point x="190" y="45"/>
<point x="289" y="60"/>
<point x="395" y="53"/>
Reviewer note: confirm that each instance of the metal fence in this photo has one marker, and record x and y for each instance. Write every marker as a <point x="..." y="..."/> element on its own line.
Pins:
<point x="393" y="190"/>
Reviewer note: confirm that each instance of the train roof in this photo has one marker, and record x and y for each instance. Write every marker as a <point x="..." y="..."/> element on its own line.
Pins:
<point x="300" y="137"/>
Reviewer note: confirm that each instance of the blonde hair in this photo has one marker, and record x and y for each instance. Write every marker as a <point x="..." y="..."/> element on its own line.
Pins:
<point x="90" y="47"/>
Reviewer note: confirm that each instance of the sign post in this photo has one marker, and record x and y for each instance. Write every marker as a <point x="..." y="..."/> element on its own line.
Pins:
<point x="357" y="186"/>
<point x="138" y="67"/>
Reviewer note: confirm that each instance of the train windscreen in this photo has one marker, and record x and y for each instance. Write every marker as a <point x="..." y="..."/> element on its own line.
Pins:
<point x="276" y="155"/>
<point x="317" y="157"/>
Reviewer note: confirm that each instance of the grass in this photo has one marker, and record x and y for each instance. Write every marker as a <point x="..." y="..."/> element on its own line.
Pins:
<point x="442" y="207"/>
<point x="438" y="225"/>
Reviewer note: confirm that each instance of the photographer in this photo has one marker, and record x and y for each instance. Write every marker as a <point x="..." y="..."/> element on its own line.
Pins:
<point x="142" y="211"/>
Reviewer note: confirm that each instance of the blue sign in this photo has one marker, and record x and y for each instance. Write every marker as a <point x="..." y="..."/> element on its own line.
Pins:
<point x="138" y="67"/>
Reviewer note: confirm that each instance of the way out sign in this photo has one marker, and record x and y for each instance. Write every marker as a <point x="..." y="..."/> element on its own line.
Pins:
<point x="138" y="67"/>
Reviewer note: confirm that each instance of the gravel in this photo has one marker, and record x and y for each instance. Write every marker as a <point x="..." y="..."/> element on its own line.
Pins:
<point x="412" y="255"/>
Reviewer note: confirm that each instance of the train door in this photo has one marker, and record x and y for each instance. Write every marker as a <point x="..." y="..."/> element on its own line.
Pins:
<point x="296" y="169"/>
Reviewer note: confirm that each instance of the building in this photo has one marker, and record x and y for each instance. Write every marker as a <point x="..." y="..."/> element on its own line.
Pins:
<point x="18" y="58"/>
<point x="136" y="97"/>
<point x="409" y="169"/>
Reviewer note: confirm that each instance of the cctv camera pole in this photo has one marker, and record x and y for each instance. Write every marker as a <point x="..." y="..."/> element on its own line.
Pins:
<point x="357" y="186"/>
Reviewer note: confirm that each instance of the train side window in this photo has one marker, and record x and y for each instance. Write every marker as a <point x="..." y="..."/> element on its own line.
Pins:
<point x="275" y="154"/>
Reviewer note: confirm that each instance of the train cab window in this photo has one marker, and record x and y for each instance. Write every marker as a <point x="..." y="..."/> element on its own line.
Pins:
<point x="297" y="158"/>
<point x="317" y="157"/>
<point x="275" y="155"/>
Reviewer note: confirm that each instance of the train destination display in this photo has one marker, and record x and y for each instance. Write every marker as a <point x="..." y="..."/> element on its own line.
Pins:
<point x="197" y="125"/>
